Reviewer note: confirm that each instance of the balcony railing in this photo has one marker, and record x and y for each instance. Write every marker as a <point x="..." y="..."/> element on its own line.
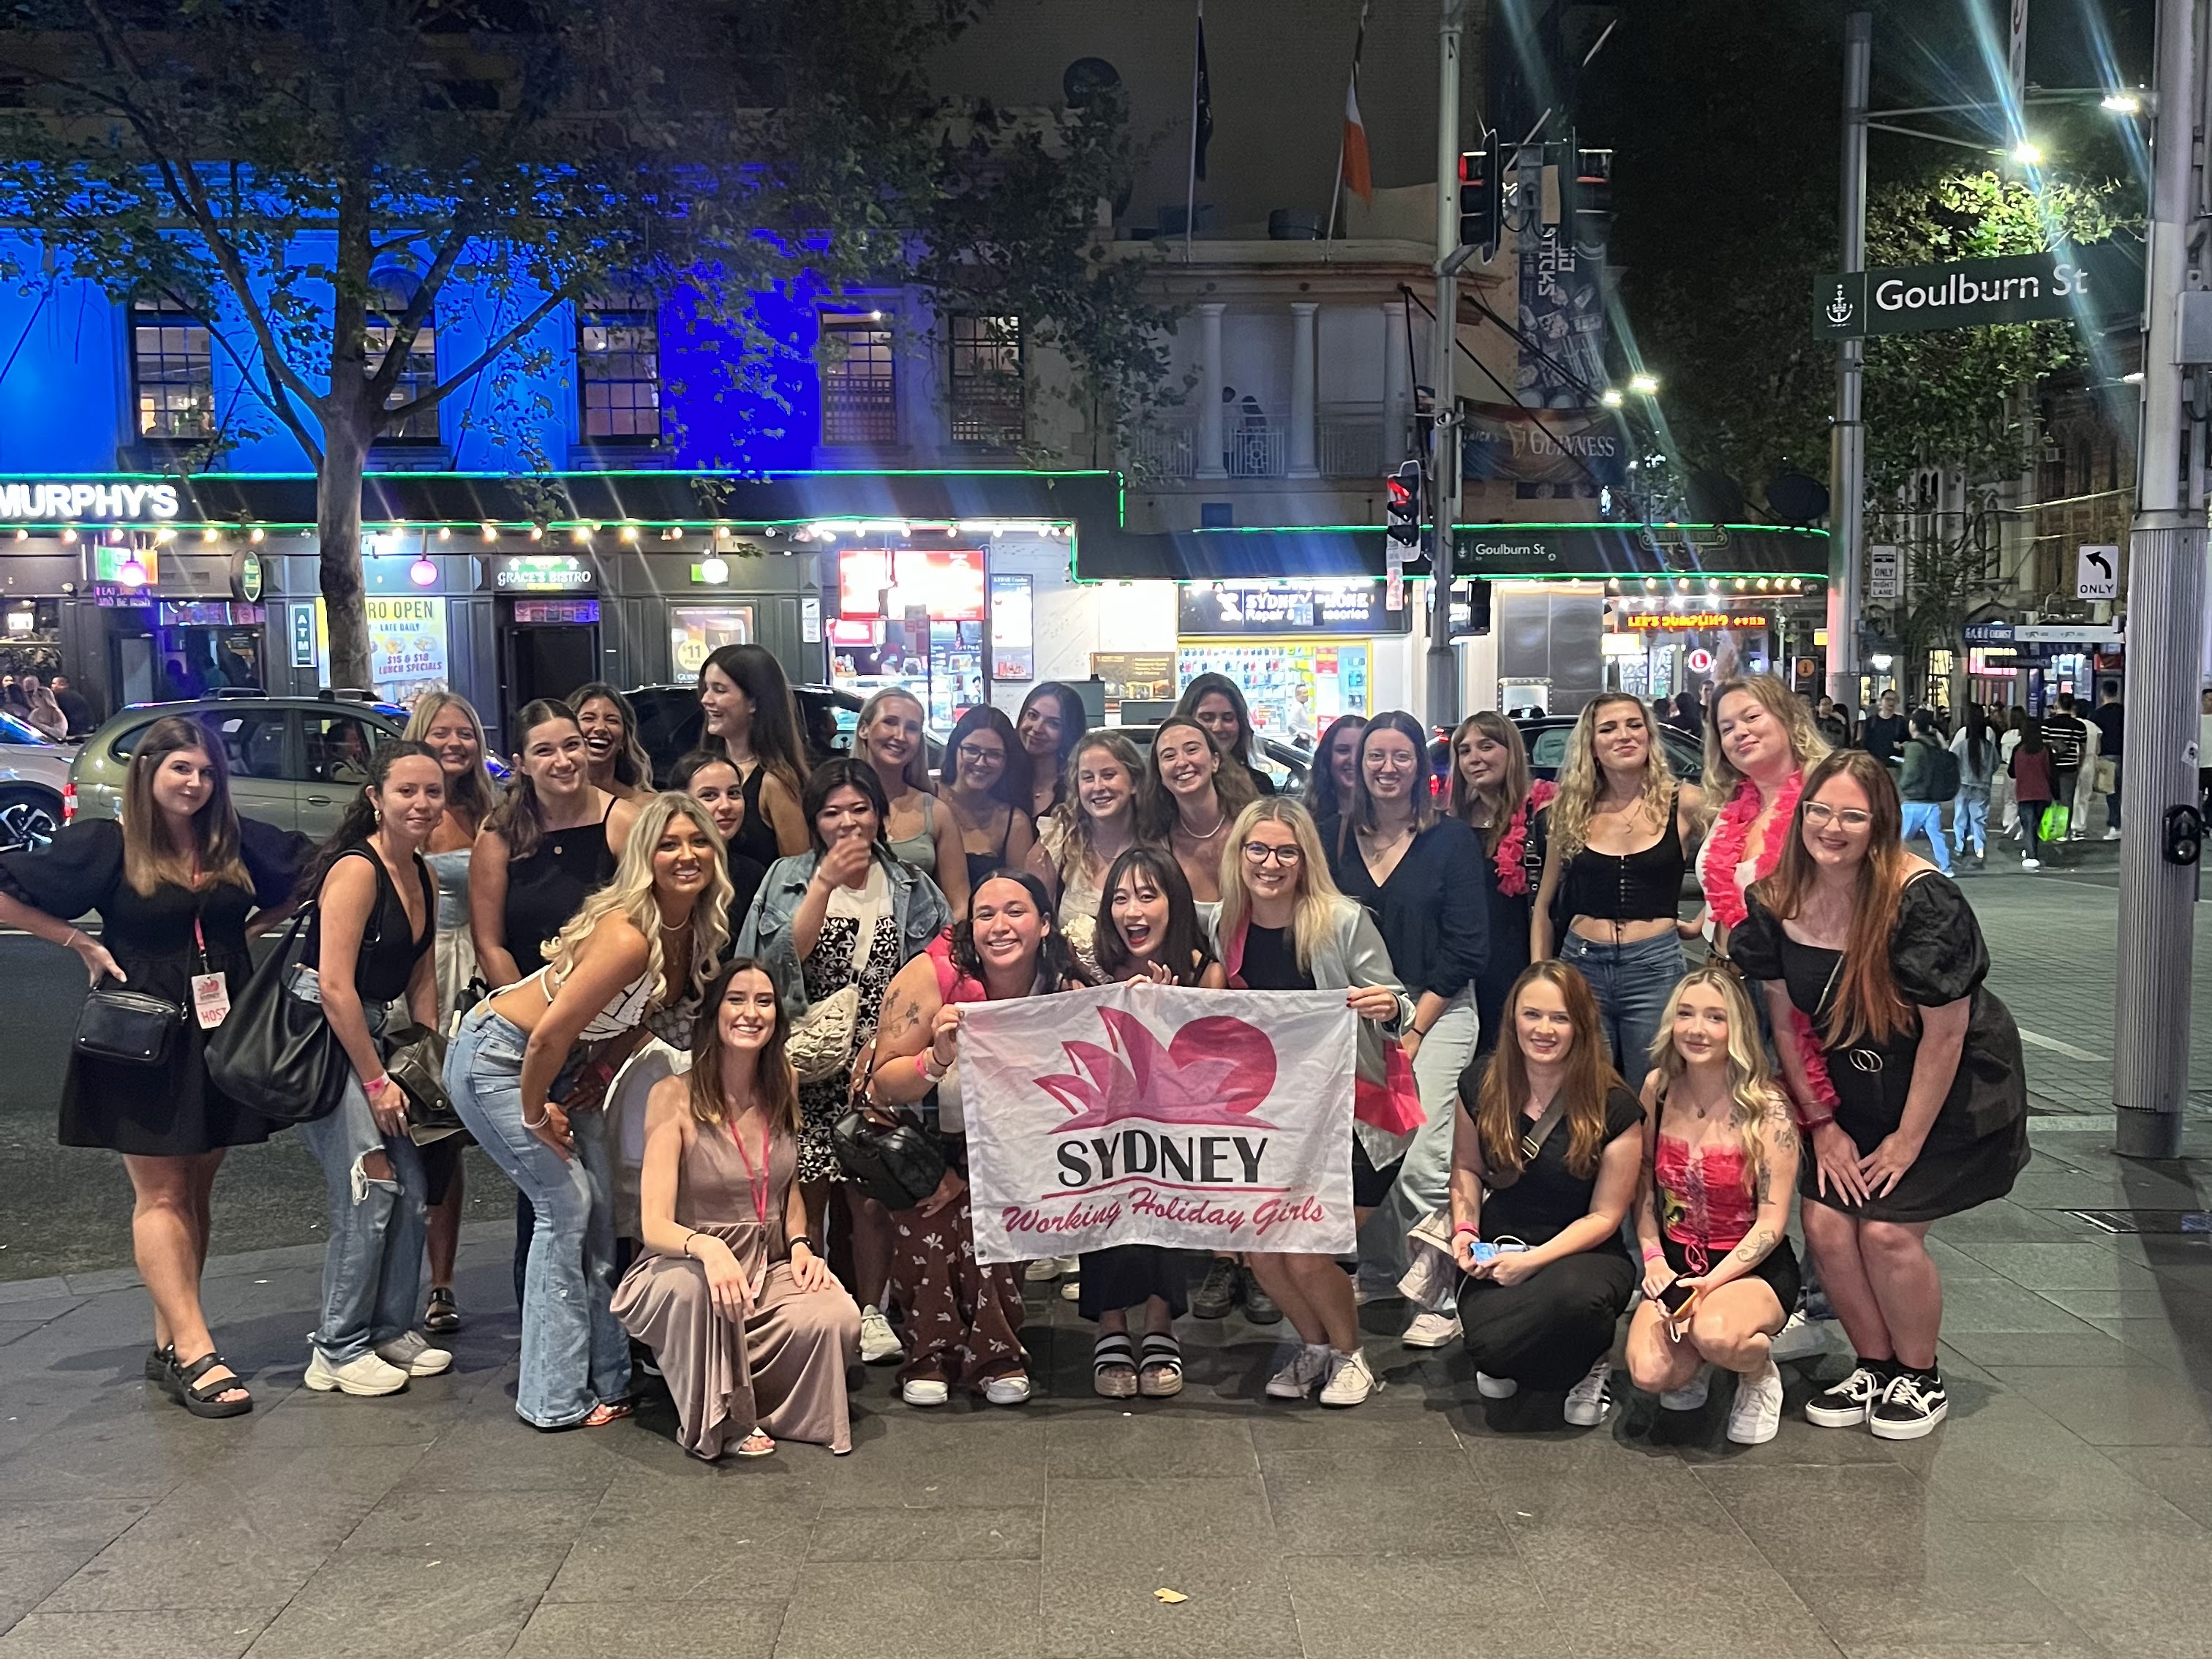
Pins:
<point x="1254" y="445"/>
<point x="1167" y="448"/>
<point x="1351" y="444"/>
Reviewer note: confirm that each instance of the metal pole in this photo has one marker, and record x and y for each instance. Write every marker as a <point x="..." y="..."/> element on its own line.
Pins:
<point x="2165" y="638"/>
<point x="1847" y="443"/>
<point x="1444" y="451"/>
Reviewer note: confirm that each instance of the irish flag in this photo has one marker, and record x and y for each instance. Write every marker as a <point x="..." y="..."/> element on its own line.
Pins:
<point x="1358" y="173"/>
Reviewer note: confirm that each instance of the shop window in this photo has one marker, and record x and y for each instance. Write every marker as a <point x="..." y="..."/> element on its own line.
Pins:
<point x="338" y="748"/>
<point x="860" y="380"/>
<point x="172" y="371"/>
<point x="985" y="381"/>
<point x="418" y="375"/>
<point x="618" y="368"/>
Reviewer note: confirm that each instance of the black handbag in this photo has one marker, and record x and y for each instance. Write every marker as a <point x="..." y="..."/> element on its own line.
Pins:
<point x="127" y="1027"/>
<point x="888" y="1152"/>
<point x="416" y="1061"/>
<point x="277" y="1055"/>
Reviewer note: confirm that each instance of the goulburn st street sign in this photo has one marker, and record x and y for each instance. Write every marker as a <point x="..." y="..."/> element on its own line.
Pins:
<point x="2098" y="281"/>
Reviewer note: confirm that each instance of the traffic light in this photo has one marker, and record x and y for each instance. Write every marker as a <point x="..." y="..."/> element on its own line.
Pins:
<point x="1405" y="512"/>
<point x="1481" y="200"/>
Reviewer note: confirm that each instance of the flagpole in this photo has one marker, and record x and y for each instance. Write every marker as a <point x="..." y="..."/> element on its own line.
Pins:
<point x="1336" y="183"/>
<point x="1190" y="190"/>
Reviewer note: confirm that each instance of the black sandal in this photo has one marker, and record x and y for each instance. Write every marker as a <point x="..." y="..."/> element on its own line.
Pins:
<point x="444" y="1315"/>
<point x="203" y="1397"/>
<point x="157" y="1361"/>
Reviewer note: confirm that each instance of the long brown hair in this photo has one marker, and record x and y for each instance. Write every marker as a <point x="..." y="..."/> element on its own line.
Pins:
<point x="1867" y="1007"/>
<point x="773" y="1077"/>
<point x="1233" y="788"/>
<point x="150" y="856"/>
<point x="1504" y="801"/>
<point x="1590" y="1078"/>
<point x="1360" y="810"/>
<point x="519" y="818"/>
<point x="471" y="796"/>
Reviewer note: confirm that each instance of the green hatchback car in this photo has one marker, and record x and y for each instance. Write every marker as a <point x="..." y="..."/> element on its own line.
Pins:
<point x="295" y="762"/>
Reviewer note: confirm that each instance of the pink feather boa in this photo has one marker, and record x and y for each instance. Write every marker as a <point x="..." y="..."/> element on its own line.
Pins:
<point x="1730" y="836"/>
<point x="1512" y="870"/>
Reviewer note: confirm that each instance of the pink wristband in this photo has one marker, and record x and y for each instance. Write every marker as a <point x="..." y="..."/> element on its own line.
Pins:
<point x="1652" y="1253"/>
<point x="1467" y="1227"/>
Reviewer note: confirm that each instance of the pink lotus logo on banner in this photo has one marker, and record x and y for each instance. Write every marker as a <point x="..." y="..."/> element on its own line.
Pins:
<point x="1217" y="1070"/>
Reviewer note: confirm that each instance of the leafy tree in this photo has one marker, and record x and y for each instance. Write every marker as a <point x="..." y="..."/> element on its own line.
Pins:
<point x="269" y="161"/>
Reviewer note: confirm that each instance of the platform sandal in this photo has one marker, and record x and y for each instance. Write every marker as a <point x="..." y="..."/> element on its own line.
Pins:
<point x="444" y="1315"/>
<point x="202" y="1395"/>
<point x="157" y="1361"/>
<point x="1160" y="1374"/>
<point x="1114" y="1367"/>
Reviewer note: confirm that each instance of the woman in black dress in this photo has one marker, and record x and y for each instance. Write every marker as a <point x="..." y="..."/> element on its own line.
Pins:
<point x="1904" y="1073"/>
<point x="749" y="714"/>
<point x="174" y="890"/>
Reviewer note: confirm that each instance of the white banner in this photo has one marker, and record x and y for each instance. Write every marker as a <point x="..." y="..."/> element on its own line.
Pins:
<point x="1144" y="1115"/>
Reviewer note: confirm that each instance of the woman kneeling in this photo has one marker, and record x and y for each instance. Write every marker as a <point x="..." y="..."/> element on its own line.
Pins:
<point x="749" y="1327"/>
<point x="1720" y="1160"/>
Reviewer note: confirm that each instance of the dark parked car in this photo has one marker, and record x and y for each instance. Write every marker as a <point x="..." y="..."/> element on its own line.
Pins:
<point x="1546" y="737"/>
<point x="669" y="723"/>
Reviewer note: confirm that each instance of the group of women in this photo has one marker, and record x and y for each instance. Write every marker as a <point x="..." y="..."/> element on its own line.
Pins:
<point x="1535" y="1066"/>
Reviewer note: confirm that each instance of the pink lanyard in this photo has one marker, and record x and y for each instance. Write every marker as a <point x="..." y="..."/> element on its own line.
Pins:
<point x="756" y="1180"/>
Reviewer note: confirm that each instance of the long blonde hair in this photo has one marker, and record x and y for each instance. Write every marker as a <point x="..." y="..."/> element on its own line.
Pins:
<point x="916" y="774"/>
<point x="631" y="895"/>
<point x="472" y="796"/>
<point x="1580" y="777"/>
<point x="1319" y="900"/>
<point x="1751" y="1092"/>
<point x="1076" y="839"/>
<point x="1806" y="742"/>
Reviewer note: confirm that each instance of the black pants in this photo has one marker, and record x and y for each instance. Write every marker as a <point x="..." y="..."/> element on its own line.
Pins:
<point x="1549" y="1329"/>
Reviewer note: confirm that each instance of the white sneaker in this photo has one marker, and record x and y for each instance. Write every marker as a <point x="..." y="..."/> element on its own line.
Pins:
<point x="922" y="1391"/>
<point x="1590" y="1400"/>
<point x="1309" y="1363"/>
<point x="1008" y="1390"/>
<point x="365" y="1375"/>
<point x="1495" y="1388"/>
<point x="2029" y="864"/>
<point x="1070" y="1288"/>
<point x="1350" y="1381"/>
<point x="879" y="1343"/>
<point x="410" y="1351"/>
<point x="1049" y="1267"/>
<point x="1430" y="1330"/>
<point x="1756" y="1417"/>
<point x="1799" y="1338"/>
<point x="2112" y="834"/>
<point x="1690" y="1397"/>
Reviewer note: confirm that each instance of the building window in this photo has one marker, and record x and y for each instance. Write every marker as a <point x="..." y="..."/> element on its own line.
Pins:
<point x="860" y="380"/>
<point x="986" y="382"/>
<point x="172" y="363"/>
<point x="618" y="366"/>
<point x="418" y="375"/>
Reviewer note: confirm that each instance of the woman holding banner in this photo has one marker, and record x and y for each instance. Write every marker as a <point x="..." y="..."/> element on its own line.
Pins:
<point x="963" y="1317"/>
<point x="1149" y="932"/>
<point x="1282" y="926"/>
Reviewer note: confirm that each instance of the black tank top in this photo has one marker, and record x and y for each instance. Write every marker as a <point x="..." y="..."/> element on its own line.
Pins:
<point x="1640" y="886"/>
<point x="550" y="886"/>
<point x="756" y="837"/>
<point x="389" y="949"/>
<point x="980" y="864"/>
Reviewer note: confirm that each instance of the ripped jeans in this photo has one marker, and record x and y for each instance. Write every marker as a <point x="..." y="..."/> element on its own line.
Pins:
<point x="372" y="1265"/>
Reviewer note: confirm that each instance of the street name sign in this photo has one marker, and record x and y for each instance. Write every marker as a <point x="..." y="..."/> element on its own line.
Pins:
<point x="2100" y="281"/>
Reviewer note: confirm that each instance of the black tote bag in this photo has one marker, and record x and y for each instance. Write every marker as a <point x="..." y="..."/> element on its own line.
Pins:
<point x="277" y="1055"/>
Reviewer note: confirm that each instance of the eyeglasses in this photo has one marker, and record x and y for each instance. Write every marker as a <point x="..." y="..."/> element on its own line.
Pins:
<point x="981" y="757"/>
<point x="1819" y="814"/>
<point x="1258" y="853"/>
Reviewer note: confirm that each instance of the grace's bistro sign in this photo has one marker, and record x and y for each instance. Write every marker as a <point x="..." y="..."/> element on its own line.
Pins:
<point x="2099" y="280"/>
<point x="68" y="500"/>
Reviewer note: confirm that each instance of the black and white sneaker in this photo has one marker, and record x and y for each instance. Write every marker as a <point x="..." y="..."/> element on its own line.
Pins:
<point x="1846" y="1405"/>
<point x="1912" y="1406"/>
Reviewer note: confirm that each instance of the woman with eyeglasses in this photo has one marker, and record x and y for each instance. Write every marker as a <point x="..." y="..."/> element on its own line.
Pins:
<point x="986" y="784"/>
<point x="1419" y="874"/>
<point x="1904" y="1071"/>
<point x="1622" y="832"/>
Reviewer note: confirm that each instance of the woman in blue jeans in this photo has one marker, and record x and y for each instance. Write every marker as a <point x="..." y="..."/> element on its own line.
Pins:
<point x="1622" y="832"/>
<point x="368" y="946"/>
<point x="528" y="1072"/>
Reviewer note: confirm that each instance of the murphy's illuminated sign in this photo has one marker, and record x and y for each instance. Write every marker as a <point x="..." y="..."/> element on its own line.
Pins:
<point x="66" y="500"/>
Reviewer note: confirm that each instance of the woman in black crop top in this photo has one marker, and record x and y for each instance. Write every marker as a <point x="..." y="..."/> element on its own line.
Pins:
<point x="1622" y="833"/>
<point x="370" y="945"/>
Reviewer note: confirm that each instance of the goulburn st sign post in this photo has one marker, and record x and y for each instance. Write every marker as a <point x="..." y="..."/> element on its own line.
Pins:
<point x="2098" y="281"/>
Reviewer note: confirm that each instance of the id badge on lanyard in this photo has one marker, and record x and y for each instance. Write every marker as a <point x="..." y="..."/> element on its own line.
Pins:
<point x="211" y="992"/>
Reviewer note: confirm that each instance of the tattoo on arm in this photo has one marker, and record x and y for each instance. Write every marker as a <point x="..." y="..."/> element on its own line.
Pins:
<point x="1757" y="1244"/>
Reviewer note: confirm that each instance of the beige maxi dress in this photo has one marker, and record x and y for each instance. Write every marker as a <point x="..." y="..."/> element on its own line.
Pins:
<point x="782" y="1369"/>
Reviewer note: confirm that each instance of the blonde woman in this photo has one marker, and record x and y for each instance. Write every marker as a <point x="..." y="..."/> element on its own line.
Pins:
<point x="1622" y="830"/>
<point x="1102" y="813"/>
<point x="1719" y="1160"/>
<point x="1282" y="926"/>
<point x="919" y="832"/>
<point x="1761" y="740"/>
<point x="734" y="1298"/>
<point x="648" y="939"/>
<point x="448" y="726"/>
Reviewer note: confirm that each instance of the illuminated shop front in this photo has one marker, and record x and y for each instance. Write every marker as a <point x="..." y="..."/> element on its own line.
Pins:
<point x="1303" y="652"/>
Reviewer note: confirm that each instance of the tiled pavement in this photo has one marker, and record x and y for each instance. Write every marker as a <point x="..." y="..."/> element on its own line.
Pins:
<point x="2061" y="1513"/>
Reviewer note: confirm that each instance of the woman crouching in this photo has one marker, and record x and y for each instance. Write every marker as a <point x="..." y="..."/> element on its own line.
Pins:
<point x="749" y="1327"/>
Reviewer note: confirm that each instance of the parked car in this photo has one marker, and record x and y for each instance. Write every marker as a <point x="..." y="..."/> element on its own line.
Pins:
<point x="1545" y="735"/>
<point x="34" y="774"/>
<point x="669" y="723"/>
<point x="295" y="762"/>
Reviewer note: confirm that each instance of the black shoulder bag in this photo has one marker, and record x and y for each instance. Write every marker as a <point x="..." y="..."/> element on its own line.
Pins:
<point x="277" y="1055"/>
<point x="125" y="1027"/>
<point x="888" y="1152"/>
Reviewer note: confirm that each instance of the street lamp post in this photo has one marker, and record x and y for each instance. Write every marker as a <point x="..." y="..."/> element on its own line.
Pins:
<point x="1847" y="443"/>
